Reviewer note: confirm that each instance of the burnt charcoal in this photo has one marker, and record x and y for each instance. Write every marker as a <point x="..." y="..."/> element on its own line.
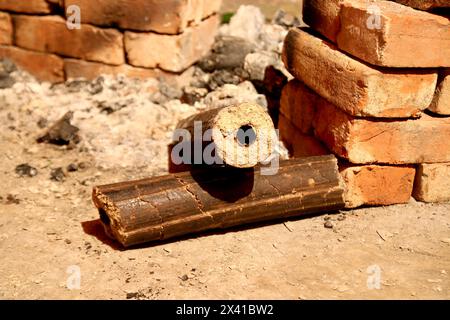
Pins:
<point x="25" y="170"/>
<point x="57" y="175"/>
<point x="62" y="132"/>
<point x="6" y="81"/>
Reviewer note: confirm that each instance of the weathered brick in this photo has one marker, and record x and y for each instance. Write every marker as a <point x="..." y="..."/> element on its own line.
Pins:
<point x="425" y="4"/>
<point x="168" y="16"/>
<point x="26" y="6"/>
<point x="363" y="141"/>
<point x="172" y="53"/>
<point x="44" y="66"/>
<point x="432" y="183"/>
<point x="6" y="29"/>
<point x="382" y="32"/>
<point x="75" y="68"/>
<point x="50" y="34"/>
<point x="376" y="185"/>
<point x="323" y="16"/>
<point x="298" y="104"/>
<point x="298" y="143"/>
<point x="357" y="88"/>
<point x="441" y="101"/>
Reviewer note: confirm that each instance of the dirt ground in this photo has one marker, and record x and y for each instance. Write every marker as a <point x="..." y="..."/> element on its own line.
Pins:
<point x="49" y="230"/>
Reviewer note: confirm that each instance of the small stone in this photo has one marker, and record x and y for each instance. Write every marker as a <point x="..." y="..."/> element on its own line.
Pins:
<point x="96" y="86"/>
<point x="247" y="23"/>
<point x="25" y="170"/>
<point x="227" y="53"/>
<point x="6" y="81"/>
<point x="42" y="123"/>
<point x="57" y="175"/>
<point x="83" y="165"/>
<point x="446" y="240"/>
<point x="328" y="224"/>
<point x="184" y="277"/>
<point x="132" y="295"/>
<point x="256" y="64"/>
<point x="72" y="167"/>
<point x="12" y="199"/>
<point x="75" y="85"/>
<point x="67" y="241"/>
<point x="62" y="132"/>
<point x="191" y="95"/>
<point x="222" y="77"/>
<point x="285" y="19"/>
<point x="7" y="65"/>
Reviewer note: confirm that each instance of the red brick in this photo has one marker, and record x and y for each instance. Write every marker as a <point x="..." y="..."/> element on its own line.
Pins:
<point x="375" y="185"/>
<point x="441" y="101"/>
<point x="323" y="16"/>
<point x="172" y="53"/>
<point x="433" y="183"/>
<point x="6" y="29"/>
<point x="168" y="16"/>
<point x="50" y="34"/>
<point x="363" y="141"/>
<point x="298" y="143"/>
<point x="44" y="66"/>
<point x="355" y="87"/>
<point x="298" y="104"/>
<point x="26" y="6"/>
<point x="75" y="68"/>
<point x="425" y="4"/>
<point x="425" y="37"/>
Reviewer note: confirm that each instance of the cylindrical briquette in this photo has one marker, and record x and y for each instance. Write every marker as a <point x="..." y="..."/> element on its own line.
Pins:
<point x="243" y="135"/>
<point x="174" y="205"/>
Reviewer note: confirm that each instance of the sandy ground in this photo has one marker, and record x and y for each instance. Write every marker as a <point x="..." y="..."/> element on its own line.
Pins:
<point x="49" y="230"/>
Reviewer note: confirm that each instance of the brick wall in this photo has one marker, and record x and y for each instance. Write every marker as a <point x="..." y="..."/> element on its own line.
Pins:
<point x="58" y="39"/>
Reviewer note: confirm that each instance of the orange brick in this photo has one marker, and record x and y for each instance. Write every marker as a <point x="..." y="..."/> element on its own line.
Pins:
<point x="172" y="53"/>
<point x="75" y="68"/>
<point x="355" y="87"/>
<point x="355" y="27"/>
<point x="377" y="185"/>
<point x="363" y="141"/>
<point x="6" y="29"/>
<point x="168" y="16"/>
<point x="298" y="104"/>
<point x="425" y="4"/>
<point x="50" y="34"/>
<point x="433" y="183"/>
<point x="323" y="16"/>
<point x="441" y="101"/>
<point x="299" y="144"/>
<point x="90" y="70"/>
<point x="44" y="66"/>
<point x="26" y="6"/>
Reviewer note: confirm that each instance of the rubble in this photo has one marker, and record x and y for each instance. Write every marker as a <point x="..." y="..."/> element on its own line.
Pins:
<point x="62" y="132"/>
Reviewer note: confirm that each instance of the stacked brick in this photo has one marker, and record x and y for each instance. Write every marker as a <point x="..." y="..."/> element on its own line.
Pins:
<point x="138" y="38"/>
<point x="373" y="87"/>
